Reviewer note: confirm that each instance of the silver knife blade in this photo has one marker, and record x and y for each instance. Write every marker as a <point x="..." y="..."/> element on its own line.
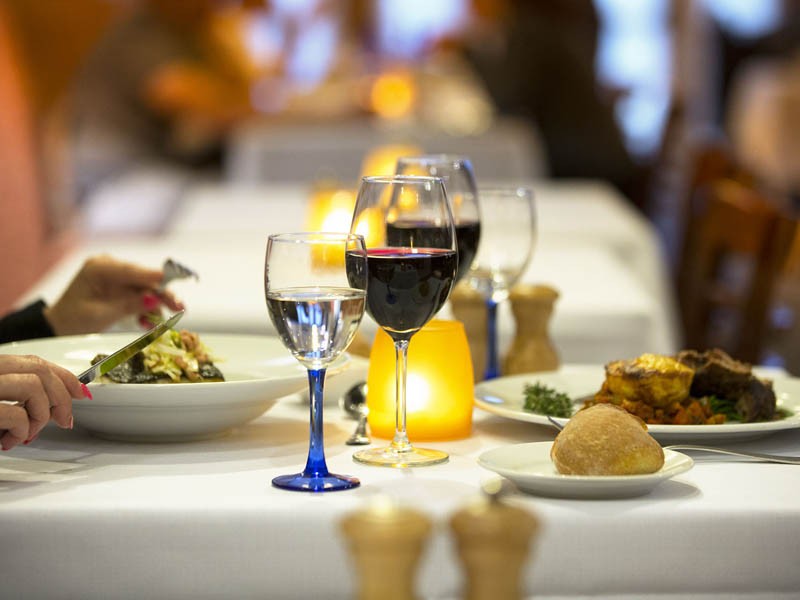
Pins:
<point x="102" y="367"/>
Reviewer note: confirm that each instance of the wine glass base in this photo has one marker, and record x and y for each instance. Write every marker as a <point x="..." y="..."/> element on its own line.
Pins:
<point x="331" y="482"/>
<point x="389" y="457"/>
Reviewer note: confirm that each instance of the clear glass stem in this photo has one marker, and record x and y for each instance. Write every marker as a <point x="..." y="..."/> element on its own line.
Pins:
<point x="400" y="442"/>
<point x="315" y="464"/>
<point x="492" y="364"/>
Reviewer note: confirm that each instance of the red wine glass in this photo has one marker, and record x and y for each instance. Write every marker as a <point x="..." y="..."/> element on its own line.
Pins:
<point x="412" y="261"/>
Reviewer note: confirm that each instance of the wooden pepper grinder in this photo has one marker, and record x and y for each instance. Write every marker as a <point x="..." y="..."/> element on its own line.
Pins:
<point x="493" y="540"/>
<point x="532" y="349"/>
<point x="469" y="307"/>
<point x="386" y="542"/>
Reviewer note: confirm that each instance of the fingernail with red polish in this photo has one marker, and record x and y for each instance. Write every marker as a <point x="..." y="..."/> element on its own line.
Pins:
<point x="150" y="301"/>
<point x="71" y="422"/>
<point x="86" y="392"/>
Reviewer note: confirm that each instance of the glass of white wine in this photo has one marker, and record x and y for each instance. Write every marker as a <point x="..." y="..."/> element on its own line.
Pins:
<point x="316" y="312"/>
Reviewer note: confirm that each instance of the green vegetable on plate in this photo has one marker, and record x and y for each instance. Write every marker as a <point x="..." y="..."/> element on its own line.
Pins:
<point x="545" y="400"/>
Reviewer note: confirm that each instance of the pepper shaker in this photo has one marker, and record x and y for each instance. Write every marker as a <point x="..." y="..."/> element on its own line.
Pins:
<point x="469" y="307"/>
<point x="493" y="540"/>
<point x="532" y="349"/>
<point x="386" y="542"/>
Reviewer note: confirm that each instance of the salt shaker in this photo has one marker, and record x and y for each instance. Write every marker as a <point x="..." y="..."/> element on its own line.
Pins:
<point x="532" y="349"/>
<point x="386" y="542"/>
<point x="493" y="540"/>
<point x="469" y="307"/>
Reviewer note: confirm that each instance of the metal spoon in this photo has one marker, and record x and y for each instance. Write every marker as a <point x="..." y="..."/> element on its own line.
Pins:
<point x="354" y="403"/>
<point x="773" y="458"/>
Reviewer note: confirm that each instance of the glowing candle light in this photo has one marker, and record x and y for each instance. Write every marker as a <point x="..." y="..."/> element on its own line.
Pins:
<point x="439" y="386"/>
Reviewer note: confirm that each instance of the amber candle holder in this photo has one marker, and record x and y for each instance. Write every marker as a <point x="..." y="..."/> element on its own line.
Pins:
<point x="439" y="386"/>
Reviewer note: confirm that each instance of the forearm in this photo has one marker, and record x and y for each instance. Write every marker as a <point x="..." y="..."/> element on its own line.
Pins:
<point x="25" y="324"/>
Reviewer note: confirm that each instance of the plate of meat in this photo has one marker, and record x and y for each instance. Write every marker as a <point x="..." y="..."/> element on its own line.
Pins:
<point x="717" y="400"/>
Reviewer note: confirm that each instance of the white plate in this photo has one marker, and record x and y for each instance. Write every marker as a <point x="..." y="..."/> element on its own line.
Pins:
<point x="529" y="466"/>
<point x="258" y="371"/>
<point x="505" y="397"/>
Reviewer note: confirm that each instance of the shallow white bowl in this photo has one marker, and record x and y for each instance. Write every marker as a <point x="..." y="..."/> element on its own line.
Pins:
<point x="258" y="371"/>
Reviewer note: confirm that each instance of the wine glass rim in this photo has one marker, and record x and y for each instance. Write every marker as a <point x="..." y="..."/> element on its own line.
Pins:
<point x="509" y="189"/>
<point x="408" y="179"/>
<point x="315" y="236"/>
<point x="438" y="158"/>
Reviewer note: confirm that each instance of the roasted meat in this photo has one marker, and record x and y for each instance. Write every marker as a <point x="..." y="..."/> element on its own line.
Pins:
<point x="717" y="374"/>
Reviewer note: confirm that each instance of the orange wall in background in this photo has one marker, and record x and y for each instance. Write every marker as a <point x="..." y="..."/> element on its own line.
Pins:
<point x="28" y="245"/>
<point x="56" y="35"/>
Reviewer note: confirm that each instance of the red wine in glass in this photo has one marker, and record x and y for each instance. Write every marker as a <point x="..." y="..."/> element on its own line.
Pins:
<point x="419" y="234"/>
<point x="405" y="287"/>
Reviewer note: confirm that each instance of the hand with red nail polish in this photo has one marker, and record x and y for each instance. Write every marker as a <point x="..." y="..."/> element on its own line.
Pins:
<point x="104" y="291"/>
<point x="41" y="391"/>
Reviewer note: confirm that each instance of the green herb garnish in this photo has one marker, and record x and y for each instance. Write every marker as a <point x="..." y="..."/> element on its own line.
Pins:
<point x="547" y="401"/>
<point x="725" y="407"/>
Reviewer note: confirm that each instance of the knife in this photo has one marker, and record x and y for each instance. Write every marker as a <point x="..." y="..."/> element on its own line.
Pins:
<point x="102" y="367"/>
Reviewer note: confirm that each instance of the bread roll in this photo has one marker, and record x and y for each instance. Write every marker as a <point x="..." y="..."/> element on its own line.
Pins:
<point x="606" y="440"/>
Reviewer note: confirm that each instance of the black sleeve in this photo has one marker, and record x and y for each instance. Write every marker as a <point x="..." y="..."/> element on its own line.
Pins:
<point x="25" y="324"/>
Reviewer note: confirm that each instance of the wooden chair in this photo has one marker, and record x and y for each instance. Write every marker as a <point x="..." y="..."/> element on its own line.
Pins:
<point x="733" y="259"/>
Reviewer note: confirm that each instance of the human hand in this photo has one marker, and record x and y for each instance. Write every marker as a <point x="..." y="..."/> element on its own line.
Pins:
<point x="104" y="291"/>
<point x="40" y="391"/>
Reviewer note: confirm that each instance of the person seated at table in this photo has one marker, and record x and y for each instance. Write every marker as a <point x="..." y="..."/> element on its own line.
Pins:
<point x="102" y="292"/>
<point x="33" y="390"/>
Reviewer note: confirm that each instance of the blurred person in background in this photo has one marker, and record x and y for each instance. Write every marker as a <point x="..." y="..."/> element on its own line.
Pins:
<point x="162" y="87"/>
<point x="759" y="102"/>
<point x="537" y="60"/>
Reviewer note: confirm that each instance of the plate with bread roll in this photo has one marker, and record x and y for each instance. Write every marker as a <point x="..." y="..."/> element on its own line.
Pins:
<point x="603" y="452"/>
<point x="700" y="397"/>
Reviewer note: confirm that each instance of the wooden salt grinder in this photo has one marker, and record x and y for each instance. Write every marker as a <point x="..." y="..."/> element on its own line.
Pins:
<point x="532" y="349"/>
<point x="493" y="540"/>
<point x="469" y="307"/>
<point x="386" y="542"/>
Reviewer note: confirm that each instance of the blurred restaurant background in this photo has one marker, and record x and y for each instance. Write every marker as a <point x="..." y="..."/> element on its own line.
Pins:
<point x="690" y="109"/>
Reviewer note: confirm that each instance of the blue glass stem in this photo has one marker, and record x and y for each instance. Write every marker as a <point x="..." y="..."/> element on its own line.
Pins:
<point x="492" y="367"/>
<point x="315" y="465"/>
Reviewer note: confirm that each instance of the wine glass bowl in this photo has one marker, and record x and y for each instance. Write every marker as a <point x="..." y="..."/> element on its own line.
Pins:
<point x="508" y="232"/>
<point x="316" y="311"/>
<point x="459" y="182"/>
<point x="411" y="266"/>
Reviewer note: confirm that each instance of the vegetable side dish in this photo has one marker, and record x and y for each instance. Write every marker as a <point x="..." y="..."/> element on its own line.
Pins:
<point x="177" y="357"/>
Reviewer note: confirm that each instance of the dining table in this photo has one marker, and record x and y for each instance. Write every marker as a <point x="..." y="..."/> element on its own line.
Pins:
<point x="87" y="517"/>
<point x="601" y="255"/>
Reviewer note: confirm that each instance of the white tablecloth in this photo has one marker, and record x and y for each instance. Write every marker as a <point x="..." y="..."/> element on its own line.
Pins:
<point x="201" y="520"/>
<point x="259" y="152"/>
<point x="602" y="256"/>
